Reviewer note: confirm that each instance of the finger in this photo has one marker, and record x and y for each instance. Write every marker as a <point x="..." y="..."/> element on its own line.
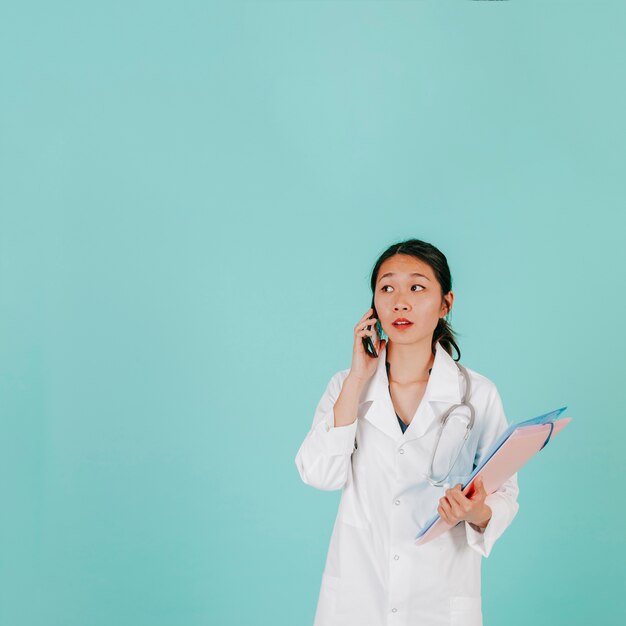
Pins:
<point x="442" y="509"/>
<point x="455" y="490"/>
<point x="367" y="313"/>
<point x="370" y="333"/>
<point x="364" y="324"/>
<point x="446" y="504"/>
<point x="460" y="504"/>
<point x="458" y="510"/>
<point x="447" y="509"/>
<point x="455" y="496"/>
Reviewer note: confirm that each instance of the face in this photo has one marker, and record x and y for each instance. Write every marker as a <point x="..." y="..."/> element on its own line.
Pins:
<point x="407" y="288"/>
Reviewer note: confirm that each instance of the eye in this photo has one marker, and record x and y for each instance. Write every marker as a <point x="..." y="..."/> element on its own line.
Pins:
<point x="421" y="287"/>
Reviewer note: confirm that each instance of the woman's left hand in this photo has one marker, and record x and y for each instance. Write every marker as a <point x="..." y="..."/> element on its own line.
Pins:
<point x="455" y="507"/>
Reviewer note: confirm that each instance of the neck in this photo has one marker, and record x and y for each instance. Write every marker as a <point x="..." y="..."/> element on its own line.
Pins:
<point x="409" y="363"/>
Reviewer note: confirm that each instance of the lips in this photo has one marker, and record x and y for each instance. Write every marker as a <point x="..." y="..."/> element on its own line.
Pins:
<point x="402" y="322"/>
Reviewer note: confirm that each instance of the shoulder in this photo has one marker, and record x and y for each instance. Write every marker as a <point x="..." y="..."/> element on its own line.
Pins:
<point x="478" y="378"/>
<point x="333" y="388"/>
<point x="483" y="389"/>
<point x="487" y="402"/>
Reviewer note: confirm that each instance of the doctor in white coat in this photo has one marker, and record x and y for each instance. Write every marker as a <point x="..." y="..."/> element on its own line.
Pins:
<point x="373" y="436"/>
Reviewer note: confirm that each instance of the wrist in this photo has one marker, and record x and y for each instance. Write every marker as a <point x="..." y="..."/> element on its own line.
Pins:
<point x="485" y="517"/>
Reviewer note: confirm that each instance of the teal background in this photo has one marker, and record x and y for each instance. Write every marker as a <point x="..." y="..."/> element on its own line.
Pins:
<point x="192" y="197"/>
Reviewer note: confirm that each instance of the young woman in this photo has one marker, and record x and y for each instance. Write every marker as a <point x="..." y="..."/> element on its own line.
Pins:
<point x="374" y="435"/>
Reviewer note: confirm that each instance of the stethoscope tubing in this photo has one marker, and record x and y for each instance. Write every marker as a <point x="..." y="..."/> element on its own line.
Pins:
<point x="442" y="422"/>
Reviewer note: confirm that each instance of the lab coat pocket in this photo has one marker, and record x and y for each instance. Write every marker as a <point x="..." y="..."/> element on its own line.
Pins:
<point x="466" y="611"/>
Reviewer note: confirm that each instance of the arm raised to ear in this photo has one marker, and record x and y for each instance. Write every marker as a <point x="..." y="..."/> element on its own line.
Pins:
<point x="323" y="459"/>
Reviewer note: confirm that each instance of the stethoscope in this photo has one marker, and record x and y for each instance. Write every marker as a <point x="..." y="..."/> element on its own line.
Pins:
<point x="443" y="420"/>
<point x="442" y="423"/>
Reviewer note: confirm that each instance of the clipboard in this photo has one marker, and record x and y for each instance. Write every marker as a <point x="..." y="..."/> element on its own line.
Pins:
<point x="513" y="449"/>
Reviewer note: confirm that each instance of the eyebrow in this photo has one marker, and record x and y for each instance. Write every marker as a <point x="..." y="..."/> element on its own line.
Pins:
<point x="413" y="274"/>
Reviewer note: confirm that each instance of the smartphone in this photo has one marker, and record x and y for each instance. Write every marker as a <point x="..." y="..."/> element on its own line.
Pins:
<point x="368" y="344"/>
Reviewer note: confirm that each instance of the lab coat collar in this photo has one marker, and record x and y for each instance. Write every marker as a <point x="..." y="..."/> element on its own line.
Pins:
<point x="443" y="389"/>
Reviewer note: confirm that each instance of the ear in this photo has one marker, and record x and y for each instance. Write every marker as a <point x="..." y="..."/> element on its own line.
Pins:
<point x="446" y="305"/>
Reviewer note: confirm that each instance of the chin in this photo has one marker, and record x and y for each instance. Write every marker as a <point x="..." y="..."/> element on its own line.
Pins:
<point x="400" y="339"/>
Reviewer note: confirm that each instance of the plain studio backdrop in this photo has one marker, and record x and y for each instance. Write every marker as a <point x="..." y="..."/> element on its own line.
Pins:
<point x="192" y="197"/>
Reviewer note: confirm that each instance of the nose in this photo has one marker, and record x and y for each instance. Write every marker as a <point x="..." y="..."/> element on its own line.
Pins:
<point x="400" y="307"/>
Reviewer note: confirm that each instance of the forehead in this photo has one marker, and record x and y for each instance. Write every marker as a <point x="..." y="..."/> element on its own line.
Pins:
<point x="404" y="265"/>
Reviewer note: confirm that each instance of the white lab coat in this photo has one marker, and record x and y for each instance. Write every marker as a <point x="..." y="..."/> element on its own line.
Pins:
<point x="374" y="574"/>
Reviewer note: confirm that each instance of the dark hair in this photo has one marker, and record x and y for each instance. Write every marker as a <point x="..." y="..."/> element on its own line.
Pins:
<point x="427" y="253"/>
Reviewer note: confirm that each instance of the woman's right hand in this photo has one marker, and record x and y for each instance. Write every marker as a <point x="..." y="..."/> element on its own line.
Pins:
<point x="364" y="365"/>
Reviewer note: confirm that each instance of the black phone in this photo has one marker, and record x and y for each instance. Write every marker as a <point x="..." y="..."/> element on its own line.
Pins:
<point x="368" y="344"/>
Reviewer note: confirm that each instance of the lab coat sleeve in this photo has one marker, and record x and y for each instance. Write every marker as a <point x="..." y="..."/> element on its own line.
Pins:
<point x="324" y="458"/>
<point x="503" y="501"/>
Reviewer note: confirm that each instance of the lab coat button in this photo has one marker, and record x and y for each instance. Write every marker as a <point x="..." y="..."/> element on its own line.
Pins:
<point x="394" y="610"/>
<point x="397" y="502"/>
<point x="396" y="556"/>
<point x="401" y="451"/>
